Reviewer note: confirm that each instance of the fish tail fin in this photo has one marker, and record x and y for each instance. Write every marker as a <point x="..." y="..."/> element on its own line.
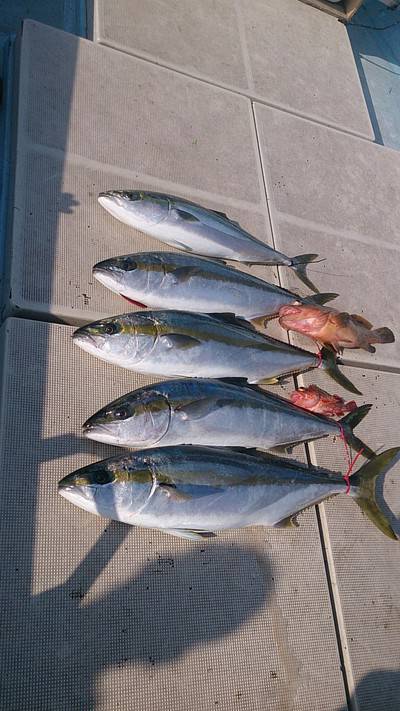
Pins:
<point x="319" y="299"/>
<point x="349" y="422"/>
<point x="381" y="335"/>
<point x="328" y="363"/>
<point x="365" y="482"/>
<point x="299" y="265"/>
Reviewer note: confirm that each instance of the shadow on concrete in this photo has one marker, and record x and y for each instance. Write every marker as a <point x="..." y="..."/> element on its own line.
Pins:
<point x="374" y="35"/>
<point x="172" y="604"/>
<point x="378" y="690"/>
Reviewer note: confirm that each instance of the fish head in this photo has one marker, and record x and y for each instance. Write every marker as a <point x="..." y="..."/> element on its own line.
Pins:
<point x="128" y="272"/>
<point x="109" y="488"/>
<point x="118" y="338"/>
<point x="136" y="208"/>
<point x="304" y="318"/>
<point x="138" y="419"/>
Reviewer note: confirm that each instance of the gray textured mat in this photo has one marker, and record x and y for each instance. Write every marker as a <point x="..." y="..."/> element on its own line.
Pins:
<point x="263" y="48"/>
<point x="101" y="616"/>
<point x="91" y="119"/>
<point x="334" y="195"/>
<point x="366" y="565"/>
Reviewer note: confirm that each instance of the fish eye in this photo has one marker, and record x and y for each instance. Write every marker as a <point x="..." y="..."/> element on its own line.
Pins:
<point x="110" y="328"/>
<point x="131" y="195"/>
<point x="129" y="264"/>
<point x="122" y="413"/>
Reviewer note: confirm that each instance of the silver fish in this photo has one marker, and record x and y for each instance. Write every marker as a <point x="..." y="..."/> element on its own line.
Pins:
<point x="185" y="225"/>
<point x="169" y="280"/>
<point x="181" y="343"/>
<point x="214" y="413"/>
<point x="196" y="491"/>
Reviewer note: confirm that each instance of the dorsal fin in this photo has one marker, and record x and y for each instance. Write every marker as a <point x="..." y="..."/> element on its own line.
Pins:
<point x="363" y="321"/>
<point x="225" y="217"/>
<point x="243" y="383"/>
<point x="220" y="214"/>
<point x="274" y="459"/>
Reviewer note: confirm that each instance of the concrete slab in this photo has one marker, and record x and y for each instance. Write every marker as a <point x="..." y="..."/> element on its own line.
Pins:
<point x="374" y="35"/>
<point x="201" y="39"/>
<point x="103" y="616"/>
<point x="241" y="45"/>
<point x="301" y="60"/>
<point x="335" y="195"/>
<point x="365" y="565"/>
<point x="136" y="134"/>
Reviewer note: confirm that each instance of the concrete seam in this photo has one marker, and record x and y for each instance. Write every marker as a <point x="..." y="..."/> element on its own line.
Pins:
<point x="265" y="184"/>
<point x="332" y="582"/>
<point x="137" y="177"/>
<point x="233" y="90"/>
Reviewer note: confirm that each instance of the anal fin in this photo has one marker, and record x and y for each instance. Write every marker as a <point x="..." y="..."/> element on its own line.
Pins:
<point x="289" y="522"/>
<point x="188" y="534"/>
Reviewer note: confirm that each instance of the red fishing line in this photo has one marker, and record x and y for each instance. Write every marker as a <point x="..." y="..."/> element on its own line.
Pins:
<point x="350" y="462"/>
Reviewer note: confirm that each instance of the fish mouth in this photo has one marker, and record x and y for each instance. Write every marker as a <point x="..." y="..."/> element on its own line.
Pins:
<point x="109" y="201"/>
<point x="130" y="195"/>
<point x="83" y="497"/>
<point x="107" y="274"/>
<point x="98" y="432"/>
<point x="82" y="337"/>
<point x="87" y="342"/>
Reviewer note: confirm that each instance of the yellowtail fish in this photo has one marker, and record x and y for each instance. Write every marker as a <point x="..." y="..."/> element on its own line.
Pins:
<point x="193" y="492"/>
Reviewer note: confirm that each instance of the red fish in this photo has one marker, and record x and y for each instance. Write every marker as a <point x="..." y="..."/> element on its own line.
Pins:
<point x="316" y="400"/>
<point x="334" y="328"/>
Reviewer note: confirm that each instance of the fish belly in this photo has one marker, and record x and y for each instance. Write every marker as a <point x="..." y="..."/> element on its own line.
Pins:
<point x="234" y="507"/>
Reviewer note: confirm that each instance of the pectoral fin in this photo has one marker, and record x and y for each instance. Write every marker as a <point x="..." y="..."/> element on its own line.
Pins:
<point x="182" y="274"/>
<point x="187" y="216"/>
<point x="199" y="408"/>
<point x="188" y="534"/>
<point x="179" y="340"/>
<point x="173" y="492"/>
